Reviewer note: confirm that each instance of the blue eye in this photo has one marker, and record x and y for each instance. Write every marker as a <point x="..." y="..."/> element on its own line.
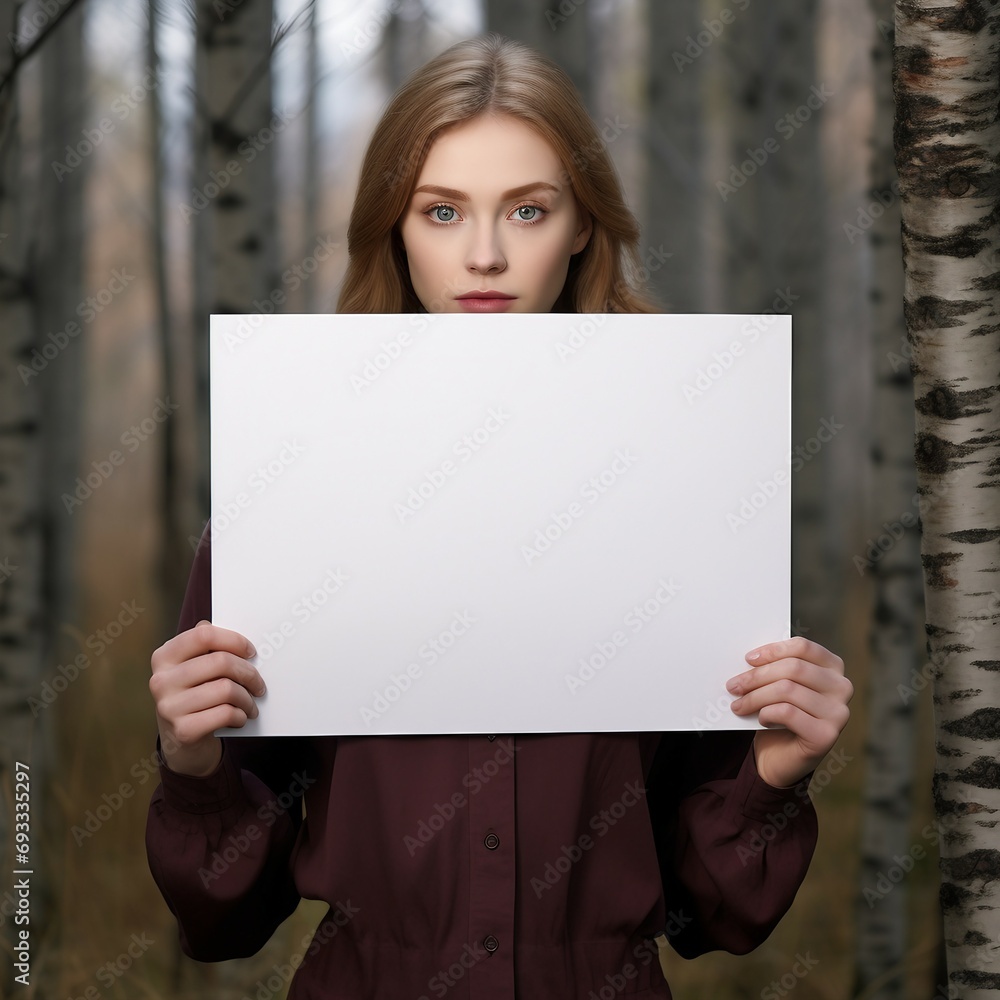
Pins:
<point x="520" y="214"/>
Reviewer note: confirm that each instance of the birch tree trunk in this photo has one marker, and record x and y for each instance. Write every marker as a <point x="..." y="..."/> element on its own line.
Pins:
<point x="735" y="122"/>
<point x="675" y="133"/>
<point x="58" y="267"/>
<point x="766" y="93"/>
<point x="232" y="205"/>
<point x="891" y="561"/>
<point x="791" y="216"/>
<point x="62" y="305"/>
<point x="947" y="150"/>
<point x="40" y="387"/>
<point x="174" y="558"/>
<point x="233" y="227"/>
<point x="21" y="613"/>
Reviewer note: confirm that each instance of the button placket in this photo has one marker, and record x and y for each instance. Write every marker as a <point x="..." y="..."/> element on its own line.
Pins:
<point x="492" y="872"/>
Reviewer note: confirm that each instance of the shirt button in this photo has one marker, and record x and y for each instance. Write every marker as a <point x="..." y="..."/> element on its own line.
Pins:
<point x="492" y="841"/>
<point x="491" y="943"/>
<point x="491" y="738"/>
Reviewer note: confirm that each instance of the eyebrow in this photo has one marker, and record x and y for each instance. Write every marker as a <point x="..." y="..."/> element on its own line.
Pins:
<point x="446" y="192"/>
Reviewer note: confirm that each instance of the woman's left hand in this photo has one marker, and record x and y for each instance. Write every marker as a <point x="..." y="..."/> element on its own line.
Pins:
<point x="800" y="685"/>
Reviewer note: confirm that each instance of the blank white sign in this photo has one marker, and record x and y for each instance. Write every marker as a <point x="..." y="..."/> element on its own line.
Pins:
<point x="500" y="523"/>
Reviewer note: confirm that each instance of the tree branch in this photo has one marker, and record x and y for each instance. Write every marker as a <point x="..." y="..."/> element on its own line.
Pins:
<point x="20" y="57"/>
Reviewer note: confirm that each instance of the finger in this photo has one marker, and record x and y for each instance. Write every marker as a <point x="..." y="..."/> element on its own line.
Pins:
<point x="202" y="638"/>
<point x="802" y="672"/>
<point x="206" y="638"/>
<point x="796" y="646"/>
<point x="222" y="691"/>
<point x="193" y="728"/>
<point x="214" y="665"/>
<point x="190" y="675"/>
<point x="816" y="735"/>
<point x="810" y="713"/>
<point x="788" y="692"/>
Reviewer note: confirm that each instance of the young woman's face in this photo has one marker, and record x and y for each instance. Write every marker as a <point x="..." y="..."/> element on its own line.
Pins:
<point x="491" y="214"/>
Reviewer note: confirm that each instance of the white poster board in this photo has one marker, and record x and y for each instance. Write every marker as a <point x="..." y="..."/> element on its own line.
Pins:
<point x="500" y="523"/>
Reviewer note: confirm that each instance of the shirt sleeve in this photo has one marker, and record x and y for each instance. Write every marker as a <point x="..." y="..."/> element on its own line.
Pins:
<point x="733" y="850"/>
<point x="219" y="846"/>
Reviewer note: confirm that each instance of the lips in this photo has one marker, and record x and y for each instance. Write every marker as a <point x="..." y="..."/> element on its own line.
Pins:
<point x="486" y="295"/>
<point x="477" y="303"/>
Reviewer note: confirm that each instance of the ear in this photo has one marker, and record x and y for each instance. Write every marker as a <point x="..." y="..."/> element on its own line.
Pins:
<point x="584" y="233"/>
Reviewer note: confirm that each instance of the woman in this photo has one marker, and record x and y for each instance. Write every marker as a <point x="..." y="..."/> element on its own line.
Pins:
<point x="537" y="866"/>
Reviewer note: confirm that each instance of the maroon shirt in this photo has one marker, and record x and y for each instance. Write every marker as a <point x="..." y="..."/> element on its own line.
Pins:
<point x="536" y="866"/>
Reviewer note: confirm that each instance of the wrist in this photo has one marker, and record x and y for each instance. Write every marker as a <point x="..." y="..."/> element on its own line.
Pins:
<point x="780" y="778"/>
<point x="196" y="763"/>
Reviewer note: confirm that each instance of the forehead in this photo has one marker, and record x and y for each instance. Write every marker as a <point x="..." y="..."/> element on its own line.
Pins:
<point x="488" y="148"/>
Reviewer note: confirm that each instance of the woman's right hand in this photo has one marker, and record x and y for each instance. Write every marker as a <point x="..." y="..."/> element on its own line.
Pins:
<point x="201" y="681"/>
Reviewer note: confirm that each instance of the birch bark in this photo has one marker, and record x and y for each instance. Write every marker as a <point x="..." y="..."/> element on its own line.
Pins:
<point x="947" y="140"/>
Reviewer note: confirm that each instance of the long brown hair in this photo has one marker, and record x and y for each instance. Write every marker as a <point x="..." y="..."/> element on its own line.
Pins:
<point x="490" y="74"/>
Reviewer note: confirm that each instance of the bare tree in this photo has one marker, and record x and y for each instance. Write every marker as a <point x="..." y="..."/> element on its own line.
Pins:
<point x="231" y="214"/>
<point x="232" y="209"/>
<point x="40" y="384"/>
<point x="58" y="268"/>
<point x="735" y="81"/>
<point x="173" y="558"/>
<point x="20" y="486"/>
<point x="947" y="148"/>
<point x="791" y="219"/>
<point x="770" y="185"/>
<point x="675" y="144"/>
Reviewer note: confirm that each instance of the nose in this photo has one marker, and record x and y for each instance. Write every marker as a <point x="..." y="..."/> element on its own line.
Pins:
<point x="484" y="253"/>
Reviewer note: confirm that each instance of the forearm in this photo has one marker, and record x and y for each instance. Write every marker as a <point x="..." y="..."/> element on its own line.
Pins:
<point x="219" y="852"/>
<point x="741" y="850"/>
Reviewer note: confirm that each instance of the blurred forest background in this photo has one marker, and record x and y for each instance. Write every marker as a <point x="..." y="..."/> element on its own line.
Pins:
<point x="754" y="142"/>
